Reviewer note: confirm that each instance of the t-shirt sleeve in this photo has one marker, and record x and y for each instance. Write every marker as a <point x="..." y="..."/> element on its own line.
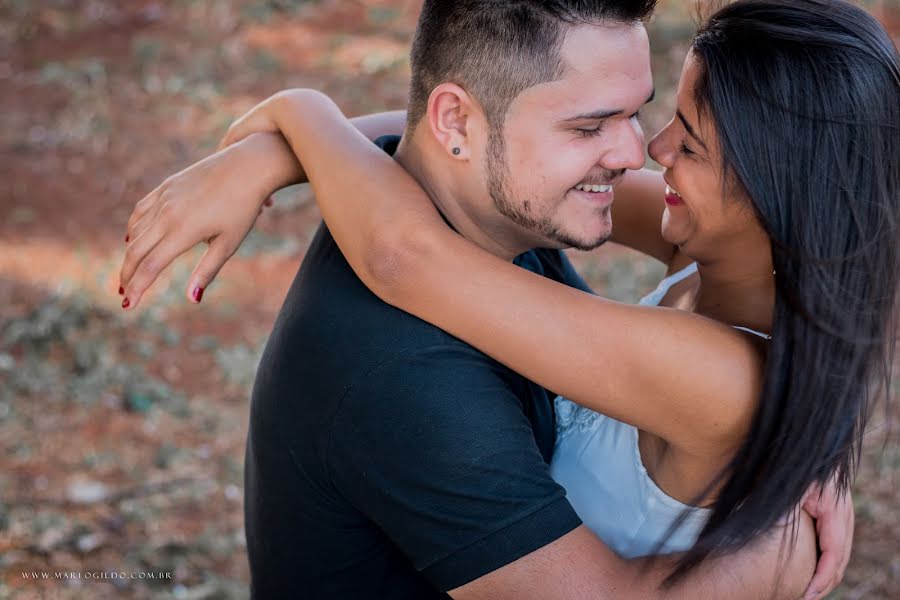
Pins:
<point x="435" y="448"/>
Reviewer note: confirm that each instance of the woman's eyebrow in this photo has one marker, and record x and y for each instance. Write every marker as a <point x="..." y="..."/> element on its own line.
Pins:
<point x="690" y="129"/>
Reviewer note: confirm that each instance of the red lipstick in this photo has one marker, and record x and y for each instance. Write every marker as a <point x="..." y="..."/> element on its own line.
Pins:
<point x="673" y="199"/>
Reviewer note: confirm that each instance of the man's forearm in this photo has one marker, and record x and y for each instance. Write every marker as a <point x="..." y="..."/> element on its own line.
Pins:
<point x="770" y="567"/>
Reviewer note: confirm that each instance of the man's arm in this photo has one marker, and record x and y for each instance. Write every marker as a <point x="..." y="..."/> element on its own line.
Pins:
<point x="434" y="447"/>
<point x="578" y="566"/>
<point x="473" y="506"/>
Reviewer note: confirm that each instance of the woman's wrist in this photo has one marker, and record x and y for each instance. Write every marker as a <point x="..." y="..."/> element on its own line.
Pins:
<point x="269" y="160"/>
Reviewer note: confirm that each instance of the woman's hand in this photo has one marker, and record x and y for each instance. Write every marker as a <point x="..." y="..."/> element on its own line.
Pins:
<point x="216" y="201"/>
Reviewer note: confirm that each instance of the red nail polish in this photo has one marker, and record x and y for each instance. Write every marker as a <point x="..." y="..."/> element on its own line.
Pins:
<point x="121" y="290"/>
<point x="126" y="303"/>
<point x="197" y="294"/>
<point x="127" y="238"/>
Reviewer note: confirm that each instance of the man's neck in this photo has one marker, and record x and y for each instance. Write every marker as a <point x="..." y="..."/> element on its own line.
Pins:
<point x="497" y="236"/>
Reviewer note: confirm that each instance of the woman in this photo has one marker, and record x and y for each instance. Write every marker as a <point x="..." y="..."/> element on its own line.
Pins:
<point x="780" y="231"/>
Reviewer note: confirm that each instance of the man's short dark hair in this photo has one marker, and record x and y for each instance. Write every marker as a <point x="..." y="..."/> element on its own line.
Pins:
<point x="495" y="49"/>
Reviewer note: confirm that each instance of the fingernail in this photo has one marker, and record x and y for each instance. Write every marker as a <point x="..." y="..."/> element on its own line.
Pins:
<point x="126" y="303"/>
<point x="197" y="294"/>
<point x="121" y="290"/>
<point x="127" y="238"/>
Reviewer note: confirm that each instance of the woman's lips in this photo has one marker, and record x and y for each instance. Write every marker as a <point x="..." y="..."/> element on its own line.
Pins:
<point x="673" y="200"/>
<point x="672" y="197"/>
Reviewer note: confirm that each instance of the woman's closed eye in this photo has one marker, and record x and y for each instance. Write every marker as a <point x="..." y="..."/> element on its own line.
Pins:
<point x="685" y="150"/>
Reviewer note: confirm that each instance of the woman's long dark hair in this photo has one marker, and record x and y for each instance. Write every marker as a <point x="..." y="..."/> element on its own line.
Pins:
<point x="805" y="96"/>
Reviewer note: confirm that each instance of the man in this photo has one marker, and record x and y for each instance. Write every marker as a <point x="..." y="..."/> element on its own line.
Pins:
<point x="386" y="458"/>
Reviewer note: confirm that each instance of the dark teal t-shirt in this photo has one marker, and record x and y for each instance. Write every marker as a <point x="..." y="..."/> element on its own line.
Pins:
<point x="386" y="458"/>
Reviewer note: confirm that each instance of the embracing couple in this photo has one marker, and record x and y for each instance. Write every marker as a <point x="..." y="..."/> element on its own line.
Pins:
<point x="443" y="406"/>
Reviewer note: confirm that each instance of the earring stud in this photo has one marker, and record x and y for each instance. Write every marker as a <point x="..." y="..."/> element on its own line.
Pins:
<point x="456" y="151"/>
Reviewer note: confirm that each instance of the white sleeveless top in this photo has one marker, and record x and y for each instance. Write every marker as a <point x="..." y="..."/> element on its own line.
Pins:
<point x="597" y="460"/>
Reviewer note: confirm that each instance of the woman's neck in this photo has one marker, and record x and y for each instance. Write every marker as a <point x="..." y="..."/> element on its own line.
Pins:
<point x="738" y="292"/>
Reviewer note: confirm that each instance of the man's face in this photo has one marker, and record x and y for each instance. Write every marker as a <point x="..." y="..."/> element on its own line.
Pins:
<point x="565" y="139"/>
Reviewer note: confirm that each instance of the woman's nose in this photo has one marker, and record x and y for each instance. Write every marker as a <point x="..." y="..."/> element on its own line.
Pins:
<point x="660" y="149"/>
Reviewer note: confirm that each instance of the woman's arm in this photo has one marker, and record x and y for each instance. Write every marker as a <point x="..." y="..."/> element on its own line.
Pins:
<point x="217" y="201"/>
<point x="247" y="173"/>
<point x="637" y="211"/>
<point x="384" y="123"/>
<point x="683" y="377"/>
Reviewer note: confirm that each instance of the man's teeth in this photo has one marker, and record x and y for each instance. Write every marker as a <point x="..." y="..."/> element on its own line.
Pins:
<point x="594" y="188"/>
<point x="669" y="190"/>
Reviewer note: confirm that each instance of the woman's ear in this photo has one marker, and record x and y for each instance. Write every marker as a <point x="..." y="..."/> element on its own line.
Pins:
<point x="450" y="118"/>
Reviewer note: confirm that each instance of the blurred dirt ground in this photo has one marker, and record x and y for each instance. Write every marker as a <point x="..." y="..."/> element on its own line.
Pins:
<point x="122" y="435"/>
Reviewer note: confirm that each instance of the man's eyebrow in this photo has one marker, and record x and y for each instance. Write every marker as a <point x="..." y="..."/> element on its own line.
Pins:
<point x="599" y="115"/>
<point x="690" y="129"/>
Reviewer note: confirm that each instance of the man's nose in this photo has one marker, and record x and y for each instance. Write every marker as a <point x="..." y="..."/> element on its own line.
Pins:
<point x="627" y="149"/>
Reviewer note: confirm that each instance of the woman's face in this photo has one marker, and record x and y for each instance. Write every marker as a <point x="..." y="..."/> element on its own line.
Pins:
<point x="702" y="217"/>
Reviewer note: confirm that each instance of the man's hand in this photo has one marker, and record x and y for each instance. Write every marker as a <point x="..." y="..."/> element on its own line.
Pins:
<point x="216" y="201"/>
<point x="833" y="514"/>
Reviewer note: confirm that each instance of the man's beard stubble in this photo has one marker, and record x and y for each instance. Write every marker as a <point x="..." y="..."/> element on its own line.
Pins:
<point x="497" y="178"/>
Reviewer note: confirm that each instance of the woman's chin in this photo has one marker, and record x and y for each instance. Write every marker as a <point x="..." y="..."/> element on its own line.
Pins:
<point x="672" y="232"/>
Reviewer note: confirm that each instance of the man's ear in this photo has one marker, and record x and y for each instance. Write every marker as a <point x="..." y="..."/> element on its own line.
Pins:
<point x="450" y="115"/>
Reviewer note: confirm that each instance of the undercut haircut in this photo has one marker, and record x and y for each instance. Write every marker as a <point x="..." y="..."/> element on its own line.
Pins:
<point x="496" y="49"/>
